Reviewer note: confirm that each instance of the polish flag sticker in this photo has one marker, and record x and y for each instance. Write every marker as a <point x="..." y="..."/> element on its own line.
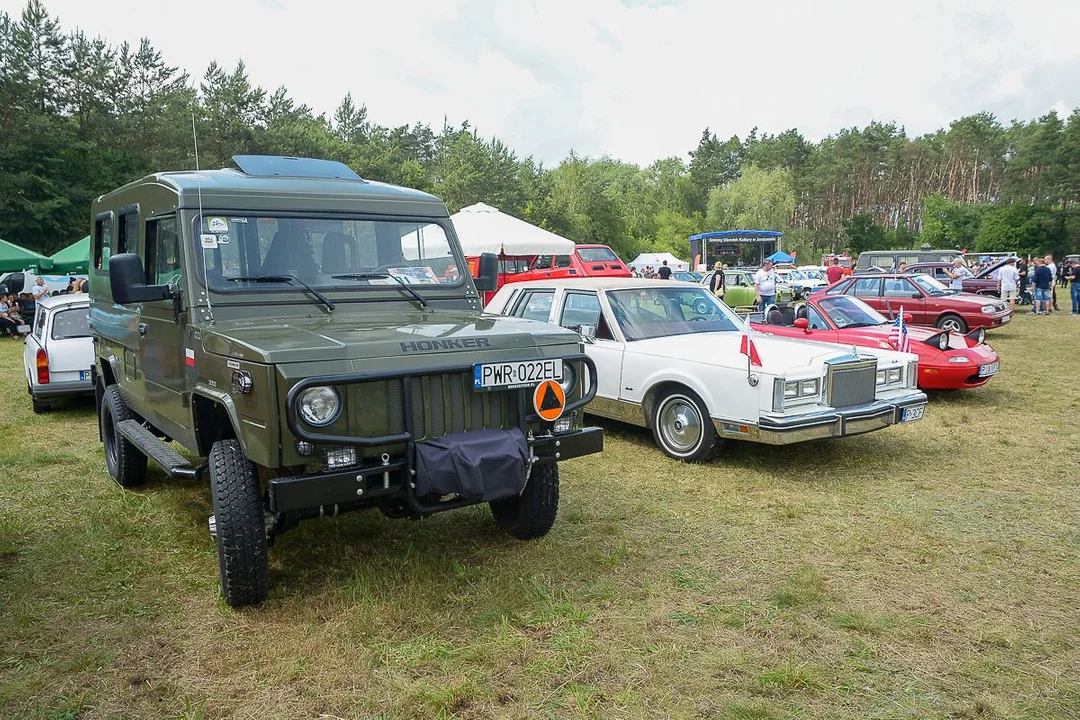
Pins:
<point x="189" y="357"/>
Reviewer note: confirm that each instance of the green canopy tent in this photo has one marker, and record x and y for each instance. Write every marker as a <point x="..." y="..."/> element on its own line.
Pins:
<point x="75" y="258"/>
<point x="13" y="257"/>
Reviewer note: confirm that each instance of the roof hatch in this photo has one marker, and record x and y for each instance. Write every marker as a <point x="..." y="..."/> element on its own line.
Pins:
<point x="283" y="166"/>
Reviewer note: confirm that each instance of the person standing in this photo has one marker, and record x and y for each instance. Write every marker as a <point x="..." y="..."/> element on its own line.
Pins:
<point x="957" y="275"/>
<point x="1042" y="279"/>
<point x="1053" y="273"/>
<point x="665" y="272"/>
<point x="765" y="285"/>
<point x="1008" y="279"/>
<point x="1022" y="271"/>
<point x="718" y="283"/>
<point x="39" y="290"/>
<point x="1073" y="276"/>
<point x="835" y="272"/>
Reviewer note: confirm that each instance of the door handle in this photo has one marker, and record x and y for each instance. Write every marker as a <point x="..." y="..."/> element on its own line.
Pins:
<point x="142" y="329"/>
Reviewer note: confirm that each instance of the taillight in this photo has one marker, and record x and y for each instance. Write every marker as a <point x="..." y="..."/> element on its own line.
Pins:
<point x="42" y="367"/>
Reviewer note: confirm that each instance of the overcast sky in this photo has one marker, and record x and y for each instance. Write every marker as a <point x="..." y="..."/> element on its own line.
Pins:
<point x="634" y="79"/>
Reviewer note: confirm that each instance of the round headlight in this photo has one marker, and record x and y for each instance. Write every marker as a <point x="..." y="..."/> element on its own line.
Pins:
<point x="569" y="378"/>
<point x="320" y="406"/>
<point x="943" y="341"/>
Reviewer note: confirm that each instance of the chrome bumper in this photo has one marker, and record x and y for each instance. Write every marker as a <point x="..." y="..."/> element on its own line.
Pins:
<point x="784" y="430"/>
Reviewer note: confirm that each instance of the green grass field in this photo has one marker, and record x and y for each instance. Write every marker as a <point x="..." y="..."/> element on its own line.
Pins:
<point x="927" y="571"/>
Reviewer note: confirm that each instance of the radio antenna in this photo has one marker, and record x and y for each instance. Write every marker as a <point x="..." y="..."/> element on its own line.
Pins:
<point x="198" y="185"/>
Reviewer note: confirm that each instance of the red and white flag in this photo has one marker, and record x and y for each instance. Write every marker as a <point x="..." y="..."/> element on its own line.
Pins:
<point x="189" y="357"/>
<point x="899" y="334"/>
<point x="748" y="348"/>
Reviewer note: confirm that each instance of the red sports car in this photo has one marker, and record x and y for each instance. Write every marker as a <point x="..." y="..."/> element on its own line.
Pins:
<point x="947" y="360"/>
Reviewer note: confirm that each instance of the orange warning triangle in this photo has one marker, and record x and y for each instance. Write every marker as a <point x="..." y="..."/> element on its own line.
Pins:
<point x="549" y="400"/>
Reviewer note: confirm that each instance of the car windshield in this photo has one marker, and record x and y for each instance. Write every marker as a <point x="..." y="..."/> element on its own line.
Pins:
<point x="597" y="254"/>
<point x="930" y="285"/>
<point x="846" y="312"/>
<point x="245" y="253"/>
<point x="649" y="312"/>
<point x="813" y="274"/>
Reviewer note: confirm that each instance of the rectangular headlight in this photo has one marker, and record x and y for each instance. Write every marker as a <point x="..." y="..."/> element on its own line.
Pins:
<point x="791" y="389"/>
<point x="893" y="376"/>
<point x="880" y="378"/>
<point x="809" y="388"/>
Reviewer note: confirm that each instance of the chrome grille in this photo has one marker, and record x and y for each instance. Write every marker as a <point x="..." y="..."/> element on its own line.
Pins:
<point x="851" y="383"/>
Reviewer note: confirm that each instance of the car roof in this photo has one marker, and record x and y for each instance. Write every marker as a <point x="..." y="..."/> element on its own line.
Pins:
<point x="60" y="301"/>
<point x="602" y="283"/>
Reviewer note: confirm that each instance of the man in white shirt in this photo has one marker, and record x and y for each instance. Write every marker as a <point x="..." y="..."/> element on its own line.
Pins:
<point x="957" y="275"/>
<point x="1008" y="278"/>
<point x="765" y="285"/>
<point x="39" y="290"/>
<point x="1053" y="287"/>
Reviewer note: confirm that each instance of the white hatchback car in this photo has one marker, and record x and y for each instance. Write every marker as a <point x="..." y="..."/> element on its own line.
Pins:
<point x="59" y="350"/>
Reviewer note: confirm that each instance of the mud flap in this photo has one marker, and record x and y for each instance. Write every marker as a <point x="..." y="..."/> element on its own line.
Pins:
<point x="482" y="465"/>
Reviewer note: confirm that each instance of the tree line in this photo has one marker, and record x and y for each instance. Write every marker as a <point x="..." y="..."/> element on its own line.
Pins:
<point x="80" y="117"/>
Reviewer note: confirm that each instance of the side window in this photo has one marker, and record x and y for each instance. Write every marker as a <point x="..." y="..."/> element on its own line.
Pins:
<point x="814" y="317"/>
<point x="866" y="287"/>
<point x="839" y="288"/>
<point x="39" y="323"/>
<point x="534" y="305"/>
<point x="102" y="241"/>
<point x="162" y="251"/>
<point x="584" y="309"/>
<point x="543" y="262"/>
<point x="127" y="236"/>
<point x="562" y="261"/>
<point x="898" y="287"/>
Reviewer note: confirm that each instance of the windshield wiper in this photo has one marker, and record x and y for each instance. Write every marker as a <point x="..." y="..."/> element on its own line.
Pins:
<point x="380" y="276"/>
<point x="287" y="278"/>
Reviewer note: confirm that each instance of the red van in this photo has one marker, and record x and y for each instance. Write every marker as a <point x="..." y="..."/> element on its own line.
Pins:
<point x="586" y="261"/>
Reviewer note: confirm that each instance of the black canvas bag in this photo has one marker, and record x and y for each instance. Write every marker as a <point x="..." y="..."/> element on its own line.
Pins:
<point x="482" y="465"/>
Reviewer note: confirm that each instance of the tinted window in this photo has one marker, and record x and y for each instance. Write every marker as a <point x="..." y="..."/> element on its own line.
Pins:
<point x="74" y="323"/>
<point x="534" y="305"/>
<point x="600" y="254"/>
<point x="562" y="261"/>
<point x="866" y="287"/>
<point x="162" y="251"/>
<point x="127" y="239"/>
<point x="543" y="262"/>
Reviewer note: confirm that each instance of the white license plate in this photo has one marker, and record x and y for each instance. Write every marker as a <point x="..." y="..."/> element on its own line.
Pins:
<point x="522" y="373"/>
<point x="1006" y="319"/>
<point x="913" y="413"/>
<point x="991" y="369"/>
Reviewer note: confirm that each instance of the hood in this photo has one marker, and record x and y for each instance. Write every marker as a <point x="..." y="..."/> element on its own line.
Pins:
<point x="778" y="354"/>
<point x="288" y="339"/>
<point x="969" y="299"/>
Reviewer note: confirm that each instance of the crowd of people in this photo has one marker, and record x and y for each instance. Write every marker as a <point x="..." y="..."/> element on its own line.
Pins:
<point x="17" y="309"/>
<point x="662" y="272"/>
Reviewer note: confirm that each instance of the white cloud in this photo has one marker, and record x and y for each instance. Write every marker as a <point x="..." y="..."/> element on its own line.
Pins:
<point x="637" y="79"/>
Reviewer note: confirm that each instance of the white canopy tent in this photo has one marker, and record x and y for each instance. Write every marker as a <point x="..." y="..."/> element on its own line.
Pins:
<point x="657" y="259"/>
<point x="484" y="229"/>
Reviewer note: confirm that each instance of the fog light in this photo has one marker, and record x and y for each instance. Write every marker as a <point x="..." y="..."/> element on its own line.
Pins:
<point x="340" y="457"/>
<point x="565" y="423"/>
<point x="304" y="448"/>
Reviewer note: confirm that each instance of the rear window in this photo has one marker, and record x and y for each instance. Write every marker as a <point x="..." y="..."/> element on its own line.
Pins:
<point x="600" y="254"/>
<point x="74" y="323"/>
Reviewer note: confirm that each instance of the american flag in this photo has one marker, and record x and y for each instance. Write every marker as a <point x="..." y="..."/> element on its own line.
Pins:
<point x="899" y="333"/>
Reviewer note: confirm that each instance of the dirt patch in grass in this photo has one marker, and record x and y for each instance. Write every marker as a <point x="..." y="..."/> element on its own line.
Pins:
<point x="920" y="572"/>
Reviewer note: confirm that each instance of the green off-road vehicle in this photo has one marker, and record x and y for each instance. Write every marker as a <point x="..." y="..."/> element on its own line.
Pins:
<point x="316" y="340"/>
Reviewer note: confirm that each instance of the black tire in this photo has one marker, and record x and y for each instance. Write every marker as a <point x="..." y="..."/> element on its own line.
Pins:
<point x="532" y="513"/>
<point x="241" y="531"/>
<point x="682" y="427"/>
<point x="952" y="322"/>
<point x="39" y="407"/>
<point x="125" y="462"/>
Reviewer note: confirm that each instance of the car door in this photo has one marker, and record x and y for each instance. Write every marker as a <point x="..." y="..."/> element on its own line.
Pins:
<point x="162" y="331"/>
<point x="900" y="293"/>
<point x="867" y="289"/>
<point x="582" y="307"/>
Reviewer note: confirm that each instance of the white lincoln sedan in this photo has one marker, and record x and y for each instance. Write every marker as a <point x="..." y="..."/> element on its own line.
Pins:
<point x="671" y="357"/>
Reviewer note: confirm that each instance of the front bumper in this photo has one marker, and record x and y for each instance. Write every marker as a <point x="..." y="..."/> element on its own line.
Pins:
<point x="375" y="483"/>
<point x="833" y="423"/>
<point x="953" y="377"/>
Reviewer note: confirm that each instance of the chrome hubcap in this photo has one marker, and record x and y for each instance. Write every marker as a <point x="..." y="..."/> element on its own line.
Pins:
<point x="680" y="425"/>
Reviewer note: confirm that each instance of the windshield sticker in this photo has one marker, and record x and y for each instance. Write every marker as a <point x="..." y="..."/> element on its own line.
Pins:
<point x="217" y="225"/>
<point x="423" y="275"/>
<point x="209" y="242"/>
<point x="223" y="239"/>
<point x="242" y="220"/>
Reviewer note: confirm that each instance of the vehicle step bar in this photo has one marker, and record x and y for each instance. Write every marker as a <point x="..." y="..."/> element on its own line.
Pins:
<point x="173" y="463"/>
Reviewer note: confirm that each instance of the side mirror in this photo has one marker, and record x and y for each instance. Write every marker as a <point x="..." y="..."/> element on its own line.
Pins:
<point x="128" y="281"/>
<point x="802" y="324"/>
<point x="488" y="277"/>
<point x="908" y="317"/>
